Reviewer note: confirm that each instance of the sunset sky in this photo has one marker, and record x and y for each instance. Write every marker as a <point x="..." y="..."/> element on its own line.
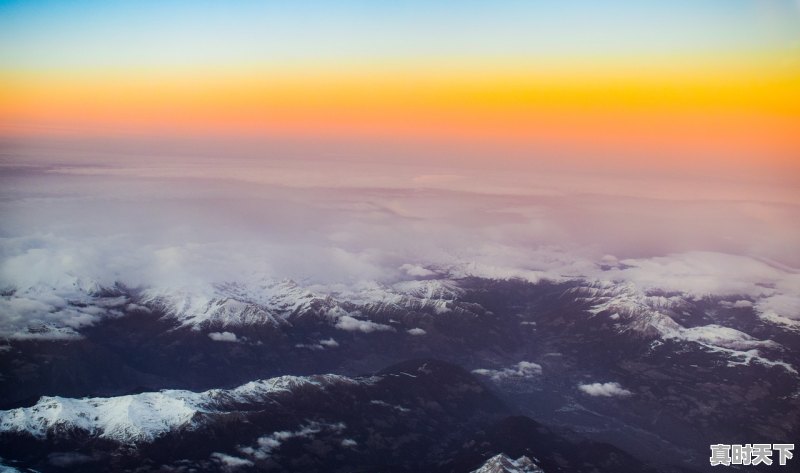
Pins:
<point x="685" y="85"/>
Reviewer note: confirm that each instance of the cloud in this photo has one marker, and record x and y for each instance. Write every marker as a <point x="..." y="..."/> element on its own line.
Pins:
<point x="416" y="270"/>
<point x="782" y="309"/>
<point x="321" y="345"/>
<point x="701" y="273"/>
<point x="740" y="304"/>
<point x="351" y="324"/>
<point x="774" y="288"/>
<point x="223" y="336"/>
<point x="56" y="254"/>
<point x="231" y="462"/>
<point x="266" y="444"/>
<point x="329" y="342"/>
<point x="522" y="370"/>
<point x="609" y="259"/>
<point x="396" y="407"/>
<point x="416" y="331"/>
<point x="722" y="337"/>
<point x="604" y="389"/>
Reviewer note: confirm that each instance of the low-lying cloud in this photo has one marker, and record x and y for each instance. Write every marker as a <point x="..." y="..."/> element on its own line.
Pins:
<point x="66" y="233"/>
<point x="610" y="389"/>
<point x="522" y="370"/>
<point x="352" y="324"/>
<point x="266" y="444"/>
<point x="223" y="337"/>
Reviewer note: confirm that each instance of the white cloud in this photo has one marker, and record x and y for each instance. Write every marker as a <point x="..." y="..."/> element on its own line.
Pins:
<point x="416" y="270"/>
<point x="231" y="462"/>
<point x="724" y="337"/>
<point x="416" y="331"/>
<point x="740" y="304"/>
<point x="330" y="343"/>
<point x="321" y="345"/>
<point x="347" y="443"/>
<point x="266" y="444"/>
<point x="522" y="370"/>
<point x="609" y="260"/>
<point x="775" y="289"/>
<point x="56" y="251"/>
<point x="604" y="389"/>
<point x="701" y="273"/>
<point x="352" y="324"/>
<point x="223" y="336"/>
<point x="396" y="407"/>
<point x="783" y="309"/>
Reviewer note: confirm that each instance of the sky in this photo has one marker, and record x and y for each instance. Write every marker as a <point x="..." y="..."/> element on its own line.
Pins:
<point x="178" y="144"/>
<point x="688" y="86"/>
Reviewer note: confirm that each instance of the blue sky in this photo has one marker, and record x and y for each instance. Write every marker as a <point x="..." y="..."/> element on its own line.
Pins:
<point x="52" y="34"/>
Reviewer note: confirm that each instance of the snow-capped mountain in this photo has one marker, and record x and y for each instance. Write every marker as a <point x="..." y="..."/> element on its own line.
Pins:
<point x="134" y="418"/>
<point x="501" y="463"/>
<point x="144" y="417"/>
<point x="651" y="316"/>
<point x="421" y="415"/>
<point x="277" y="303"/>
<point x="636" y="310"/>
<point x="432" y="296"/>
<point x="565" y="353"/>
<point x="269" y="303"/>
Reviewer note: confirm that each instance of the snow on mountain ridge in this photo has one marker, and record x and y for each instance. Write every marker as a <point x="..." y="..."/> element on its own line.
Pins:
<point x="650" y="315"/>
<point x="436" y="295"/>
<point x="131" y="418"/>
<point x="439" y="289"/>
<point x="275" y="302"/>
<point x="141" y="418"/>
<point x="220" y="306"/>
<point x="642" y="313"/>
<point x="502" y="463"/>
<point x="236" y="304"/>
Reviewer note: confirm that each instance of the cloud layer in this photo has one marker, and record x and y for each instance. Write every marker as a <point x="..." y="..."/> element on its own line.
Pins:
<point x="67" y="232"/>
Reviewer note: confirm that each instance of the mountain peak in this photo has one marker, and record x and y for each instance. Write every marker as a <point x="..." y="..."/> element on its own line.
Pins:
<point x="502" y="463"/>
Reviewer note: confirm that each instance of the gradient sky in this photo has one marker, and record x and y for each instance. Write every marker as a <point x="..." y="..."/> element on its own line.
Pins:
<point x="685" y="84"/>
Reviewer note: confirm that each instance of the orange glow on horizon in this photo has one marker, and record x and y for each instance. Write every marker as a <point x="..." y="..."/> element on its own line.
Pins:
<point x="720" y="116"/>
